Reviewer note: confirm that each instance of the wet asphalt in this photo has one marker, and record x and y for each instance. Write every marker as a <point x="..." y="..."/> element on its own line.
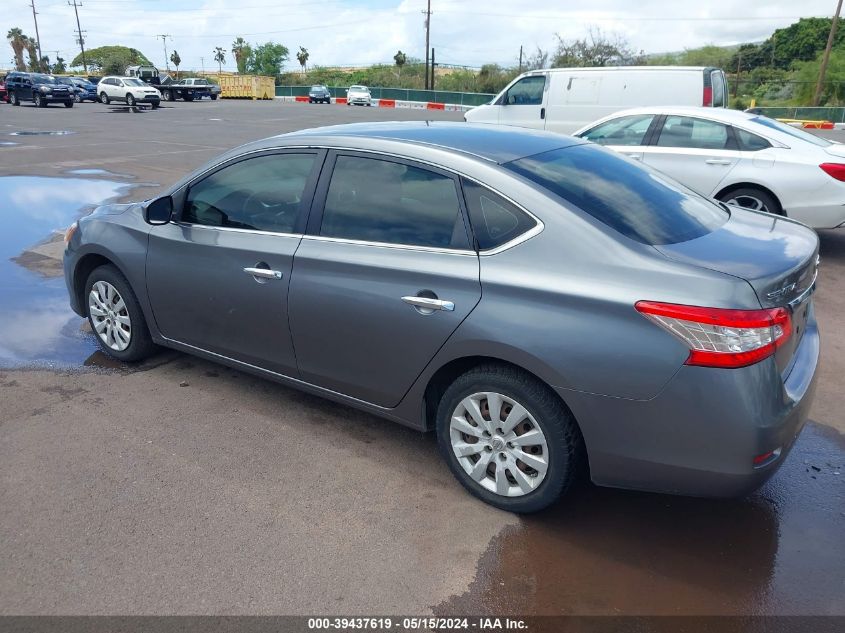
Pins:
<point x="182" y="487"/>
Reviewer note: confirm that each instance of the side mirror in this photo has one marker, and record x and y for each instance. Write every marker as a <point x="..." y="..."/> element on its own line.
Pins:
<point x="159" y="211"/>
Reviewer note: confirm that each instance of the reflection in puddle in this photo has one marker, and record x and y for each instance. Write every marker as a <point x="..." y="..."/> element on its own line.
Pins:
<point x="97" y="172"/>
<point x="41" y="133"/>
<point x="37" y="326"/>
<point x="610" y="552"/>
<point x="8" y="143"/>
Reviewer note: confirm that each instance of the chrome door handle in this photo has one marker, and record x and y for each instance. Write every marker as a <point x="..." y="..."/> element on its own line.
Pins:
<point x="429" y="304"/>
<point x="717" y="161"/>
<point x="634" y="156"/>
<point x="264" y="273"/>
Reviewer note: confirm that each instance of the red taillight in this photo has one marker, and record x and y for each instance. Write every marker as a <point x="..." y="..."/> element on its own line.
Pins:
<point x="718" y="337"/>
<point x="707" y="98"/>
<point x="834" y="170"/>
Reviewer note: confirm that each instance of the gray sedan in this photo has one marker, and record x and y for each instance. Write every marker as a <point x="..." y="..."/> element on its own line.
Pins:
<point x="542" y="303"/>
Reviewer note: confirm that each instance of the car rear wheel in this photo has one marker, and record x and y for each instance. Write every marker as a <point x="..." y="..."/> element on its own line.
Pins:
<point x="130" y="100"/>
<point x="214" y="97"/>
<point x="104" y="98"/>
<point x="14" y="100"/>
<point x="752" y="198"/>
<point x="115" y="316"/>
<point x="508" y="439"/>
<point x="68" y="104"/>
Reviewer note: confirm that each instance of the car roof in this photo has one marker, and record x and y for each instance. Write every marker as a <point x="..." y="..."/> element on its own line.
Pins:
<point x="717" y="114"/>
<point x="496" y="143"/>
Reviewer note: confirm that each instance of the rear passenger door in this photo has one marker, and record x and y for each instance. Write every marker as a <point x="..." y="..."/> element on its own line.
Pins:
<point x="383" y="276"/>
<point x="698" y="153"/>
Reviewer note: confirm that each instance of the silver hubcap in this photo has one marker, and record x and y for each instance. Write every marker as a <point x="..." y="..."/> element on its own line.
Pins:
<point x="499" y="444"/>
<point x="110" y="316"/>
<point x="748" y="202"/>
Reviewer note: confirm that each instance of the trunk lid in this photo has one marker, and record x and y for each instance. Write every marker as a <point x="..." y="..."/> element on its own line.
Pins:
<point x="777" y="257"/>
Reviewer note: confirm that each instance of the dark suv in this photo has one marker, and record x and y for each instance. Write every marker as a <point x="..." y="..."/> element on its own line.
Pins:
<point x="39" y="88"/>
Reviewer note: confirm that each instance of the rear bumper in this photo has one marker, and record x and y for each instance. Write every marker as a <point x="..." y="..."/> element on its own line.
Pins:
<point x="826" y="216"/>
<point x="699" y="436"/>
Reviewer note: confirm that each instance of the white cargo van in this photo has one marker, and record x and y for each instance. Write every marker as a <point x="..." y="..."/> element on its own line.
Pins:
<point x="565" y="99"/>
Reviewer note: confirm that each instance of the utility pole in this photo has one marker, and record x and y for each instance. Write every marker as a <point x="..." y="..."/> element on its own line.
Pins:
<point x="431" y="83"/>
<point x="202" y="63"/>
<point x="427" y="13"/>
<point x="520" y="59"/>
<point x="80" y="40"/>
<point x="818" y="95"/>
<point x="738" y="69"/>
<point x="37" y="37"/>
<point x="164" y="41"/>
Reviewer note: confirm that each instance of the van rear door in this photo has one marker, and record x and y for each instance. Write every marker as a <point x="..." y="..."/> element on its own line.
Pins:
<point x="524" y="103"/>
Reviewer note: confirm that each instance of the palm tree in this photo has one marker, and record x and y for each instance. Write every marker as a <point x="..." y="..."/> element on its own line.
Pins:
<point x="220" y="58"/>
<point x="241" y="50"/>
<point x="18" y="41"/>
<point x="32" y="51"/>
<point x="302" y="56"/>
<point x="174" y="57"/>
<point x="400" y="58"/>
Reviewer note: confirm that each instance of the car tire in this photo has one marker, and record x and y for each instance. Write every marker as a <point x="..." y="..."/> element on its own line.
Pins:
<point x="560" y="449"/>
<point x="188" y="96"/>
<point x="167" y="95"/>
<point x="39" y="101"/>
<point x="77" y="98"/>
<point x="68" y="104"/>
<point x="753" y="198"/>
<point x="213" y="97"/>
<point x="104" y="98"/>
<point x="122" y="322"/>
<point x="130" y="100"/>
<point x="14" y="100"/>
<point x="155" y="105"/>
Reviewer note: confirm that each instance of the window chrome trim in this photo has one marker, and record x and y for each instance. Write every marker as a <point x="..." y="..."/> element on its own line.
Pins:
<point x="232" y="229"/>
<point x="405" y="247"/>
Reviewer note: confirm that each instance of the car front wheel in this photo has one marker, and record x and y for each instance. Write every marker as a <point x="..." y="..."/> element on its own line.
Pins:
<point x="508" y="438"/>
<point x="130" y="99"/>
<point x="77" y="98"/>
<point x="68" y="104"/>
<point x="14" y="100"/>
<point x="104" y="98"/>
<point x="116" y="317"/>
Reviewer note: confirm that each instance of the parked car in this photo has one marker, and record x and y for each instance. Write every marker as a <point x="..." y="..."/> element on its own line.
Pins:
<point x="536" y="300"/>
<point x="212" y="90"/>
<point x="83" y="90"/>
<point x="39" y="88"/>
<point x="129" y="90"/>
<point x="740" y="158"/>
<point x="4" y="96"/>
<point x="319" y="94"/>
<point x="359" y="95"/>
<point x="565" y="99"/>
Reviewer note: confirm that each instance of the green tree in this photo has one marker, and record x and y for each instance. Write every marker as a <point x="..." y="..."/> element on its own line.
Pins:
<point x="219" y="57"/>
<point x="34" y="64"/>
<point x="114" y="56"/>
<point x="59" y="67"/>
<point x="267" y="59"/>
<point x="242" y="52"/>
<point x="174" y="57"/>
<point x="302" y="58"/>
<point x="807" y="73"/>
<point x="400" y="59"/>
<point x="18" y="41"/>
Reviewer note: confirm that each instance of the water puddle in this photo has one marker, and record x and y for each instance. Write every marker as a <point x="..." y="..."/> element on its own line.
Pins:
<point x="8" y="143"/>
<point x="41" y="133"/>
<point x="37" y="326"/>
<point x="97" y="172"/>
<point x="612" y="552"/>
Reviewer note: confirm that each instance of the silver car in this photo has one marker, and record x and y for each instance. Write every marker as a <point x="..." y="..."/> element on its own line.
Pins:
<point x="542" y="303"/>
<point x="359" y="95"/>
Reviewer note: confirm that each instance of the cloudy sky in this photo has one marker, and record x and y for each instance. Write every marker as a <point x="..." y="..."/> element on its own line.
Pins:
<point x="358" y="32"/>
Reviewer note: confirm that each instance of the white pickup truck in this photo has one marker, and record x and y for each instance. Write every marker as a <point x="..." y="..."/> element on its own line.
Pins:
<point x="213" y="89"/>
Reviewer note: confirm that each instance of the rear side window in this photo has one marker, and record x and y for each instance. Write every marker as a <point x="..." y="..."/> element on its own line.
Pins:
<point x="526" y="91"/>
<point x="684" y="131"/>
<point x="494" y="220"/>
<point x="634" y="200"/>
<point x="375" y="200"/>
<point x="626" y="130"/>
<point x="750" y="142"/>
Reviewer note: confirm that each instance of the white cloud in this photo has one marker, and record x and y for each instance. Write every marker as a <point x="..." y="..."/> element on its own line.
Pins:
<point x="350" y="32"/>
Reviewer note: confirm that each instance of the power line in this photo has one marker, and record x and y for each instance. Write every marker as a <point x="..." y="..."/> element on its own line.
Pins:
<point x="79" y="38"/>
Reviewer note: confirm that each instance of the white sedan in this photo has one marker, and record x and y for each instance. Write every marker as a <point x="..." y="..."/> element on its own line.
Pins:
<point x="359" y="95"/>
<point x="739" y="158"/>
<point x="129" y="90"/>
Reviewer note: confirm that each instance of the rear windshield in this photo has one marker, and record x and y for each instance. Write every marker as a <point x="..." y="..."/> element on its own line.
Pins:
<point x="792" y="131"/>
<point x="637" y="201"/>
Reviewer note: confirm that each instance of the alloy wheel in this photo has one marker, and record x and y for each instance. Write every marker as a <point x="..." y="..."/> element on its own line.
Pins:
<point x="499" y="444"/>
<point x="748" y="202"/>
<point x="109" y="316"/>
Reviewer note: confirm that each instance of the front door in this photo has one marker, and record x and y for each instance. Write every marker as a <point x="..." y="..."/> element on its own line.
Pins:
<point x="383" y="278"/>
<point x="523" y="104"/>
<point x="698" y="153"/>
<point x="218" y="277"/>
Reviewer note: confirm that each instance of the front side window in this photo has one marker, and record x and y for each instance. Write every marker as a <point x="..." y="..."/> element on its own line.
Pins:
<point x="376" y="200"/>
<point x="494" y="220"/>
<point x="636" y="201"/>
<point x="683" y="131"/>
<point x="134" y="82"/>
<point x="262" y="194"/>
<point x="626" y="130"/>
<point x="526" y="91"/>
